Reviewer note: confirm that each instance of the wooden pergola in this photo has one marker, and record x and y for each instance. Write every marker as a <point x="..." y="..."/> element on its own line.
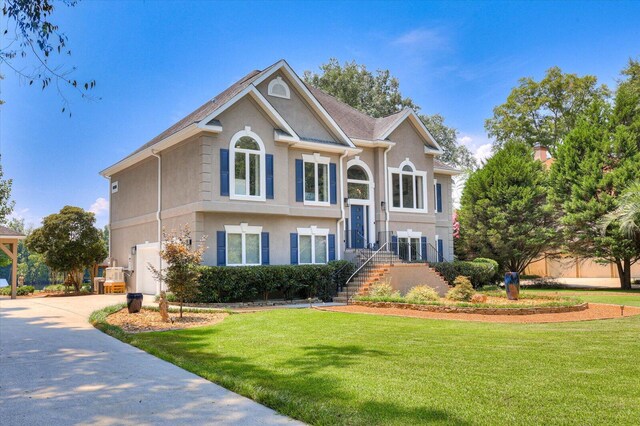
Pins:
<point x="9" y="245"/>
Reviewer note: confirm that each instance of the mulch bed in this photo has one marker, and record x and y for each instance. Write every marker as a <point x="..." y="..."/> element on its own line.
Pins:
<point x="149" y="320"/>
<point x="594" y="311"/>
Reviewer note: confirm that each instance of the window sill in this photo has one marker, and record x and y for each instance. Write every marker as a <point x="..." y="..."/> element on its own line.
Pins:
<point x="244" y="264"/>
<point x="247" y="197"/>
<point x="402" y="210"/>
<point x="317" y="203"/>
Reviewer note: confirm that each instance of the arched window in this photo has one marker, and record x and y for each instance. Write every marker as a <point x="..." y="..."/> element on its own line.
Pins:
<point x="278" y="88"/>
<point x="247" y="160"/>
<point x="408" y="188"/>
<point x="357" y="183"/>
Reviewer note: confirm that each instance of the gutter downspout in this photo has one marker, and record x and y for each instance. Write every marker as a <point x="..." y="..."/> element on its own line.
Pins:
<point x="109" y="224"/>
<point x="386" y="194"/>
<point x="158" y="216"/>
<point x="341" y="201"/>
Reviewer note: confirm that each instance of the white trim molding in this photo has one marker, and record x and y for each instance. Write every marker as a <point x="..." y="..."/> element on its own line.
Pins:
<point x="314" y="232"/>
<point x="414" y="173"/>
<point x="316" y="159"/>
<point x="243" y="229"/>
<point x="278" y="81"/>
<point x="233" y="151"/>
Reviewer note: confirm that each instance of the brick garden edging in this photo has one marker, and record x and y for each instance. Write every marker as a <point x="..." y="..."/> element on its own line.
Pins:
<point x="529" y="310"/>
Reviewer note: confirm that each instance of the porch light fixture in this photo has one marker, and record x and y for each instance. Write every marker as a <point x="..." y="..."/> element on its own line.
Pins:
<point x="134" y="249"/>
<point x="382" y="205"/>
<point x="346" y="201"/>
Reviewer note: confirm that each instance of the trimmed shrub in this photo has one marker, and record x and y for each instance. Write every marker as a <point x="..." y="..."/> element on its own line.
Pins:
<point x="480" y="274"/>
<point x="55" y="288"/>
<point x="463" y="290"/>
<point x="383" y="289"/>
<point x="494" y="265"/>
<point x="229" y="284"/>
<point x="20" y="291"/>
<point x="422" y="293"/>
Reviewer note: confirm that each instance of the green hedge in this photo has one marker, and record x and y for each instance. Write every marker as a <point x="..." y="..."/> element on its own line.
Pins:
<point x="227" y="284"/>
<point x="480" y="274"/>
<point x="496" y="267"/>
<point x="20" y="291"/>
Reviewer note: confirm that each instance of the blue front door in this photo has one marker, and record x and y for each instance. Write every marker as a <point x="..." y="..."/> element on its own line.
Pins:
<point x="358" y="236"/>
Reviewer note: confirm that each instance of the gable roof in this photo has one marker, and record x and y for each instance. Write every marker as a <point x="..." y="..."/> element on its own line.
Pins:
<point x="6" y="232"/>
<point x="446" y="169"/>
<point x="200" y="118"/>
<point x="359" y="125"/>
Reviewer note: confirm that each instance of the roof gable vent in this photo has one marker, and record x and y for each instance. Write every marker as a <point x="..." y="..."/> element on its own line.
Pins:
<point x="278" y="88"/>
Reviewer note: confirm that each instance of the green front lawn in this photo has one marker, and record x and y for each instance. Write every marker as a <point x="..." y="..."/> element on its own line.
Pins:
<point x="614" y="296"/>
<point x="333" y="368"/>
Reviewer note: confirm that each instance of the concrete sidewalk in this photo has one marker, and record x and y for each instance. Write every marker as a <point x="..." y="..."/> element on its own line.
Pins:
<point x="56" y="369"/>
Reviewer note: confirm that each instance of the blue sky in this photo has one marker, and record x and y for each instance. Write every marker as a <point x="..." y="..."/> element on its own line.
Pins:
<point x="154" y="62"/>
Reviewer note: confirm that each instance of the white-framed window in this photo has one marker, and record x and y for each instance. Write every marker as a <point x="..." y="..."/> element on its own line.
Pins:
<point x="278" y="88"/>
<point x="409" y="245"/>
<point x="313" y="245"/>
<point x="407" y="188"/>
<point x="247" y="160"/>
<point x="316" y="179"/>
<point x="243" y="244"/>
<point x="358" y="187"/>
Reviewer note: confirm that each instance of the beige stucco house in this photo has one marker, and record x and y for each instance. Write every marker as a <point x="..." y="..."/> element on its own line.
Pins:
<point x="273" y="171"/>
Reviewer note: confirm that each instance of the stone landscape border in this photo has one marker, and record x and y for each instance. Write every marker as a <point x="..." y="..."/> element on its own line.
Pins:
<point x="528" y="310"/>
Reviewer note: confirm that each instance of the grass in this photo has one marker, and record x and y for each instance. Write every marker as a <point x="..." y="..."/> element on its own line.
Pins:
<point x="614" y="296"/>
<point x="334" y="368"/>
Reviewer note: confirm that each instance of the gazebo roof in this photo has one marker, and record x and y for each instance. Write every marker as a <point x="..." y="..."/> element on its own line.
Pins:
<point x="8" y="233"/>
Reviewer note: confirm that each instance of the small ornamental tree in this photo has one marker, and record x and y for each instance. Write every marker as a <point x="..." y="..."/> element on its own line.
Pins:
<point x="68" y="241"/>
<point x="504" y="213"/>
<point x="182" y="272"/>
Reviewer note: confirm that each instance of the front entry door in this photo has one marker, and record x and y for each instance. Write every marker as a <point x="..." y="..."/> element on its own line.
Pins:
<point x="358" y="220"/>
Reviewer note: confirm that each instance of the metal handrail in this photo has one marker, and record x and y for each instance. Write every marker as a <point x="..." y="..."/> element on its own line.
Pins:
<point x="365" y="263"/>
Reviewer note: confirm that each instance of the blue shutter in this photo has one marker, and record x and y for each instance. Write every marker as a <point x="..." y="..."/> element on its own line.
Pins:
<point x="438" y="198"/>
<point x="440" y="251"/>
<point x="423" y="247"/>
<point x="299" y="181"/>
<point x="394" y="244"/>
<point x="332" y="247"/>
<point x="293" y="238"/>
<point x="269" y="170"/>
<point x="265" y="248"/>
<point x="221" y="251"/>
<point x="224" y="172"/>
<point x="333" y="192"/>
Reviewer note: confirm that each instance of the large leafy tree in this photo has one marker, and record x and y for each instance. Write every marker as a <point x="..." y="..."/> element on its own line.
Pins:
<point x="31" y="34"/>
<point x="68" y="241"/>
<point x="543" y="112"/>
<point x="504" y="212"/>
<point x="6" y="204"/>
<point x="596" y="162"/>
<point x="378" y="95"/>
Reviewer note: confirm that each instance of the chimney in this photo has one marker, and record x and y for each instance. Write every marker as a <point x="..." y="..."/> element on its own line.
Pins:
<point x="540" y="153"/>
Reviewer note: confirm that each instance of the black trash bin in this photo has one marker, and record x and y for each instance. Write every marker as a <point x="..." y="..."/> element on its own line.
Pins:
<point x="134" y="302"/>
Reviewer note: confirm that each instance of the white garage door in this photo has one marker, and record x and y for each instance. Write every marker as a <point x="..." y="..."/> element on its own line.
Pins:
<point x="146" y="254"/>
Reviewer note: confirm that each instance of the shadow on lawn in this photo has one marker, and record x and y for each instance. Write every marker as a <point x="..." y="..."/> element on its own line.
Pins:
<point x="313" y="386"/>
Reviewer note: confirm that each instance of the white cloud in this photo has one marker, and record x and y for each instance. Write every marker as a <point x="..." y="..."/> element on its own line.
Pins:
<point x="100" y="206"/>
<point x="421" y="37"/>
<point x="483" y="153"/>
<point x="465" y="140"/>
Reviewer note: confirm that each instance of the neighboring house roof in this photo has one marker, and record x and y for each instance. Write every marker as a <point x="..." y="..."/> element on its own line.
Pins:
<point x="440" y="167"/>
<point x="10" y="233"/>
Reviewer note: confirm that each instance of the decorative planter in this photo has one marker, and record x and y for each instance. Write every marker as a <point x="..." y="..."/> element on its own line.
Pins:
<point x="134" y="302"/>
<point x="512" y="285"/>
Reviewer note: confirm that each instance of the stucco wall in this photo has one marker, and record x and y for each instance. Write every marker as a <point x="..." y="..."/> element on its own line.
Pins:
<point x="137" y="191"/>
<point x="124" y="238"/>
<point x="295" y="111"/>
<point x="181" y="174"/>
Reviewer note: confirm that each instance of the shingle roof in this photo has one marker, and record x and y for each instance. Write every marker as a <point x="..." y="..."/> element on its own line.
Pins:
<point x="8" y="232"/>
<point x="205" y="109"/>
<point x="440" y="165"/>
<point x="355" y="123"/>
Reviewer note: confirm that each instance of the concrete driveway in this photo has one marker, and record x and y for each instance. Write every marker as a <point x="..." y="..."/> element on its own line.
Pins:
<point x="56" y="369"/>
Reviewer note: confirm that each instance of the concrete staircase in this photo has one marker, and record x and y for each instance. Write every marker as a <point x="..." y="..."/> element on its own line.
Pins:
<point x="389" y="267"/>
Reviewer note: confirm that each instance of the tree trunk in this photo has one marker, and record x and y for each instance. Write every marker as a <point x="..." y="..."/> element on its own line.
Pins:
<point x="180" y="308"/>
<point x="624" y="273"/>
